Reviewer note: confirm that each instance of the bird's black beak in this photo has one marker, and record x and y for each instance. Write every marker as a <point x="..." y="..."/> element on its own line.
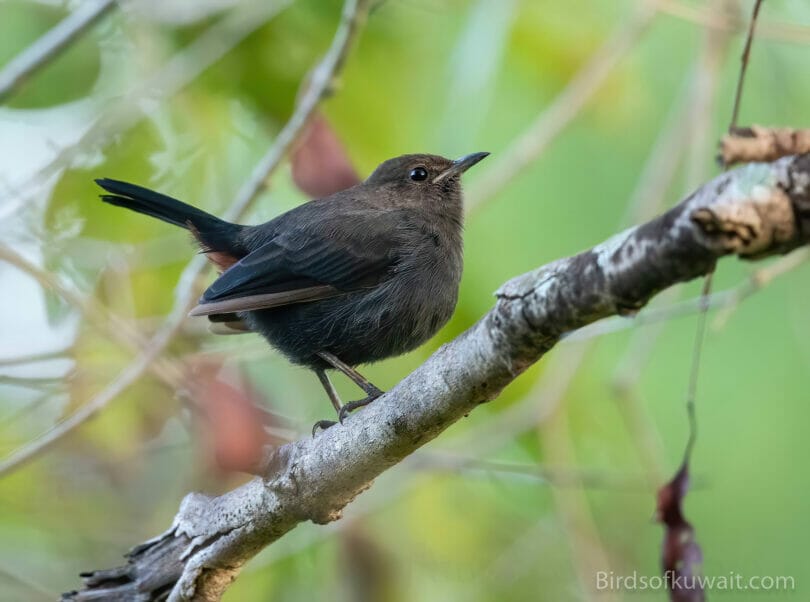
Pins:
<point x="461" y="165"/>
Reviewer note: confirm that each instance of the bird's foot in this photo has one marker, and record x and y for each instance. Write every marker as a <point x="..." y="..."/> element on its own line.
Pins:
<point x="353" y="405"/>
<point x="323" y="425"/>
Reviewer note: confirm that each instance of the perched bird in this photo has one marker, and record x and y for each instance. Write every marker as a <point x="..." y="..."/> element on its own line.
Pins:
<point x="364" y="274"/>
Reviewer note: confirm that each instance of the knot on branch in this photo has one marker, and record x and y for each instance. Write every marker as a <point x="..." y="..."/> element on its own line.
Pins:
<point x="754" y="215"/>
<point x="289" y="480"/>
<point x="758" y="143"/>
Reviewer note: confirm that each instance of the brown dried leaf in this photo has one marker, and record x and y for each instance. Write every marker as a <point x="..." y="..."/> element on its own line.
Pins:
<point x="320" y="164"/>
<point x="233" y="424"/>
<point x="681" y="557"/>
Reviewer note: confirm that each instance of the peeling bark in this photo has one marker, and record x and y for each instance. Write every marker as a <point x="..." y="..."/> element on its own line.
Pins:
<point x="758" y="143"/>
<point x="754" y="211"/>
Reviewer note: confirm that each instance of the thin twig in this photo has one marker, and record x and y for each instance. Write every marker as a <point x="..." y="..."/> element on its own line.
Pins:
<point x="34" y="382"/>
<point x="527" y="147"/>
<point x="35" y="358"/>
<point x="744" y="66"/>
<point x="353" y="16"/>
<point x="50" y="45"/>
<point x="558" y="477"/>
<point x="700" y="334"/>
<point x="93" y="312"/>
<point x="697" y="350"/>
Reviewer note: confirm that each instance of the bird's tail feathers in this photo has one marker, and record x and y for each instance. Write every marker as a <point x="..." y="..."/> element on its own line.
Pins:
<point x="156" y="204"/>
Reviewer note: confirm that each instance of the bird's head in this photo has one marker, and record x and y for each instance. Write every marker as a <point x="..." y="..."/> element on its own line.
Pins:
<point x="422" y="180"/>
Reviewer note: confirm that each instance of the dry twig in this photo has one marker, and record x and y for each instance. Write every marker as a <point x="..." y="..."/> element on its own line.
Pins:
<point x="50" y="45"/>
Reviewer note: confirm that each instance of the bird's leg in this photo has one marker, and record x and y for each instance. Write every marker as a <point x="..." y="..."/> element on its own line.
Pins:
<point x="329" y="388"/>
<point x="357" y="378"/>
<point x="361" y="381"/>
<point x="333" y="397"/>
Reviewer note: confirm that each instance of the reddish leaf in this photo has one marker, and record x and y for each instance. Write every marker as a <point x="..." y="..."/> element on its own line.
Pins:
<point x="681" y="556"/>
<point x="320" y="164"/>
<point x="233" y="425"/>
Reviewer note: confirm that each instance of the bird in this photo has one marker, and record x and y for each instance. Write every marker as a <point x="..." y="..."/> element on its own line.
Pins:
<point x="361" y="275"/>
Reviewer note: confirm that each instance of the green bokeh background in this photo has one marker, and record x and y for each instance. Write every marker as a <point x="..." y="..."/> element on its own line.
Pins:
<point x="450" y="77"/>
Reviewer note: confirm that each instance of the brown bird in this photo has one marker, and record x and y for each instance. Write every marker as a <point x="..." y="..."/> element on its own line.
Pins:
<point x="364" y="274"/>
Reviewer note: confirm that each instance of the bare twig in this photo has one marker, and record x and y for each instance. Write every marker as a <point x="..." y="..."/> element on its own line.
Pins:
<point x="34" y="358"/>
<point x="751" y="212"/>
<point x="33" y="382"/>
<point x="527" y="147"/>
<point x="48" y="47"/>
<point x="353" y="16"/>
<point x="700" y="333"/>
<point x="556" y="476"/>
<point x="93" y="312"/>
<point x="694" y="370"/>
<point x="757" y="281"/>
<point x="735" y="112"/>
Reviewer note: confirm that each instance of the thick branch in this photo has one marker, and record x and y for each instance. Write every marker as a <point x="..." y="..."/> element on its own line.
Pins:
<point x="754" y="211"/>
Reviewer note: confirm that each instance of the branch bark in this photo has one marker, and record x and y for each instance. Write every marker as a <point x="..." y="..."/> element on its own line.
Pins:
<point x="754" y="211"/>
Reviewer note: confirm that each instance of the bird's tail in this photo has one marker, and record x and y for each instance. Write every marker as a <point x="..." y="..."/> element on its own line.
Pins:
<point x="212" y="232"/>
<point x="155" y="204"/>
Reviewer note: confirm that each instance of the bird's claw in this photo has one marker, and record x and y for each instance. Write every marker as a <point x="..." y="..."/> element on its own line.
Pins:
<point x="353" y="405"/>
<point x="323" y="425"/>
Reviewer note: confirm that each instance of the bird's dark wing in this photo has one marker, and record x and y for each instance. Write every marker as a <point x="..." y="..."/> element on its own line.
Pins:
<point x="319" y="258"/>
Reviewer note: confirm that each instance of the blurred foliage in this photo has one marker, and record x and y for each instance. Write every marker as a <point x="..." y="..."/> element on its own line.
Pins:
<point x="450" y="77"/>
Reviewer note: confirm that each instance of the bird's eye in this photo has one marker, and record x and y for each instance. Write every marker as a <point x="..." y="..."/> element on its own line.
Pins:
<point x="418" y="174"/>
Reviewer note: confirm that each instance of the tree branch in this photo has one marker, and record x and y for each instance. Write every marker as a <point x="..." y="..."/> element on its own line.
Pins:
<point x="48" y="47"/>
<point x="754" y="211"/>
